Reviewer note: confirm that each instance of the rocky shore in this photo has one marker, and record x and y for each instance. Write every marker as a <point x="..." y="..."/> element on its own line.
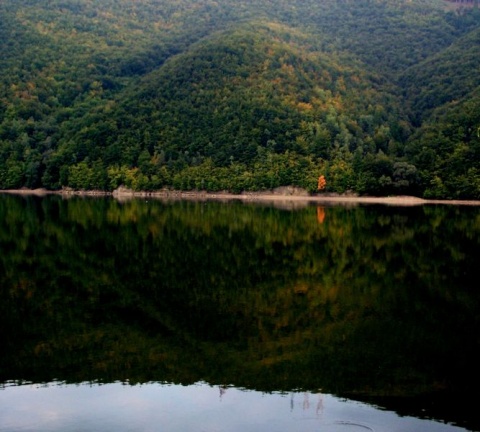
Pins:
<point x="284" y="194"/>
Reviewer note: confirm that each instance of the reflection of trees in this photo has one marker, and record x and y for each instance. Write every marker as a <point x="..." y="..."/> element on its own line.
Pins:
<point x="306" y="404"/>
<point x="320" y="215"/>
<point x="255" y="296"/>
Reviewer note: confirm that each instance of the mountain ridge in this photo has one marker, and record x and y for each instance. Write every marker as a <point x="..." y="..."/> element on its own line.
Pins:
<point x="236" y="95"/>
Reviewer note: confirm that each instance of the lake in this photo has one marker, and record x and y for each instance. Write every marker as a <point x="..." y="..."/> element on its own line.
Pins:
<point x="149" y="315"/>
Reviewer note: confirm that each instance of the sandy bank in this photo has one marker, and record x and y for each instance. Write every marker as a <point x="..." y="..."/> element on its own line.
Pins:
<point x="283" y="195"/>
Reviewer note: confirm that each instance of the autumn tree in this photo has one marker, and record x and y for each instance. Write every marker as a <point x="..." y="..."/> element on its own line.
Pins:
<point x="322" y="183"/>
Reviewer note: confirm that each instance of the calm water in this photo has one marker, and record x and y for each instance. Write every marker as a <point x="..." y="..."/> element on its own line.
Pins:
<point x="206" y="316"/>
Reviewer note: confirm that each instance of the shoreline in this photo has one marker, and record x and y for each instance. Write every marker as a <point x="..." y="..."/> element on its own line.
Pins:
<point x="283" y="195"/>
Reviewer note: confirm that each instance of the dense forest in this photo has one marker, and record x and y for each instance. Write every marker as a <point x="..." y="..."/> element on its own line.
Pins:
<point x="378" y="96"/>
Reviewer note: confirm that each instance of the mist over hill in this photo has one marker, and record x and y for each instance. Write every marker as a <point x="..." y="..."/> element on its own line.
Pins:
<point x="379" y="96"/>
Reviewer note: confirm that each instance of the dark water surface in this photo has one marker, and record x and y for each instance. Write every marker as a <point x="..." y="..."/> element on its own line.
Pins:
<point x="208" y="316"/>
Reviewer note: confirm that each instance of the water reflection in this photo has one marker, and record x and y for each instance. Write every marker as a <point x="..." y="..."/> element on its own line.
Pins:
<point x="199" y="407"/>
<point x="373" y="303"/>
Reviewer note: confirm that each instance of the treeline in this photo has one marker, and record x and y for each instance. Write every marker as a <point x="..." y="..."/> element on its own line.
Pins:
<point x="240" y="96"/>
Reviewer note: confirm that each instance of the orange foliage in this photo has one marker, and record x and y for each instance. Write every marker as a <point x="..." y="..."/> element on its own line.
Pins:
<point x="305" y="106"/>
<point x="320" y="215"/>
<point x="322" y="183"/>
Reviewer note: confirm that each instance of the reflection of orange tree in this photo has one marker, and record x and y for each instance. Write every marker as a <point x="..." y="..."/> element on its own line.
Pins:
<point x="320" y="214"/>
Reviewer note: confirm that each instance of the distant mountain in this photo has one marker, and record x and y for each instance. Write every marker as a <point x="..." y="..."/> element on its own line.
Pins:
<point x="447" y="76"/>
<point x="237" y="95"/>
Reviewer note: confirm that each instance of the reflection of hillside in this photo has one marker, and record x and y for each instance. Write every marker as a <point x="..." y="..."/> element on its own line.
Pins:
<point x="372" y="301"/>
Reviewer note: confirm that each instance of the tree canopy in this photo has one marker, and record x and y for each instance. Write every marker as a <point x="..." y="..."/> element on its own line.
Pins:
<point x="379" y="97"/>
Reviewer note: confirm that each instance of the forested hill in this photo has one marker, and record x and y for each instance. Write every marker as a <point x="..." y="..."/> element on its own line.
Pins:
<point x="379" y="96"/>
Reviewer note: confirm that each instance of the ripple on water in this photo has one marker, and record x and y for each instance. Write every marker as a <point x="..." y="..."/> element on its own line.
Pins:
<point x="346" y="425"/>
